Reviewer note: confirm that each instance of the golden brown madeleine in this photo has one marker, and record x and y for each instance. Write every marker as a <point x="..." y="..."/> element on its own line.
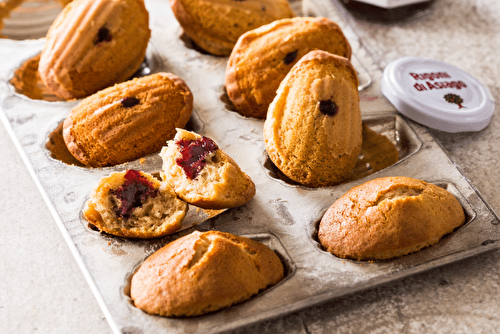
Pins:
<point x="313" y="131"/>
<point x="94" y="44"/>
<point x="389" y="217"/>
<point x="201" y="174"/>
<point x="262" y="57"/>
<point x="134" y="204"/>
<point x="215" y="25"/>
<point x="129" y="120"/>
<point x="204" y="272"/>
<point x="64" y="2"/>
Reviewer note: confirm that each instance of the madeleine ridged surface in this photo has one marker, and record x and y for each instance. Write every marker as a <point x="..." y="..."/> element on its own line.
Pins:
<point x="202" y="174"/>
<point x="128" y="121"/>
<point x="204" y="272"/>
<point x="262" y="57"/>
<point x="313" y="130"/>
<point x="389" y="217"/>
<point x="215" y="25"/>
<point x="94" y="44"/>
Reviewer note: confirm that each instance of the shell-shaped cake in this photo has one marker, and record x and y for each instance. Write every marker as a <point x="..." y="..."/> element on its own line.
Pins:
<point x="313" y="130"/>
<point x="262" y="57"/>
<point x="128" y="120"/>
<point x="134" y="204"/>
<point x="389" y="217"/>
<point x="94" y="44"/>
<point x="204" y="272"/>
<point x="216" y="25"/>
<point x="202" y="174"/>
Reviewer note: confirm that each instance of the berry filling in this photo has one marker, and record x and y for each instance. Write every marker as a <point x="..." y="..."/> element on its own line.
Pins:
<point x="193" y="154"/>
<point x="328" y="107"/>
<point x="133" y="193"/>
<point x="290" y="57"/>
<point x="129" y="102"/>
<point x="103" y="35"/>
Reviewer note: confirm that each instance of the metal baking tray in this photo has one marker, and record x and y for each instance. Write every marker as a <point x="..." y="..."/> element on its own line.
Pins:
<point x="282" y="215"/>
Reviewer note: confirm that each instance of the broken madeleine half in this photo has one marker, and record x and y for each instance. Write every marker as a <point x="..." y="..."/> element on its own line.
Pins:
<point x="134" y="204"/>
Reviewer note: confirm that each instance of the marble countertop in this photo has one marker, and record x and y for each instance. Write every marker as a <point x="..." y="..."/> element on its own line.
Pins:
<point x="44" y="291"/>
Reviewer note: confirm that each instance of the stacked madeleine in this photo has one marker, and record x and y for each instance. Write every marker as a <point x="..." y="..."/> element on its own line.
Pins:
<point x="389" y="217"/>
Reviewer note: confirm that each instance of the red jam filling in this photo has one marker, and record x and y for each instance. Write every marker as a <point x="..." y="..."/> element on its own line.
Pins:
<point x="103" y="35"/>
<point x="193" y="154"/>
<point x="453" y="98"/>
<point x="328" y="107"/>
<point x="133" y="193"/>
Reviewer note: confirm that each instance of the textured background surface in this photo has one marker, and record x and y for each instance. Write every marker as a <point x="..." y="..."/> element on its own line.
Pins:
<point x="43" y="290"/>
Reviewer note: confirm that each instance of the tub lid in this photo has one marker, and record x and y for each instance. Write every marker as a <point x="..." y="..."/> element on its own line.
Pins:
<point x="438" y="95"/>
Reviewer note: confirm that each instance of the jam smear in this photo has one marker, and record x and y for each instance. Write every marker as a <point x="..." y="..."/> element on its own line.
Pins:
<point x="328" y="107"/>
<point x="133" y="193"/>
<point x="103" y="35"/>
<point x="290" y="57"/>
<point x="27" y="81"/>
<point x="193" y="154"/>
<point x="129" y="102"/>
